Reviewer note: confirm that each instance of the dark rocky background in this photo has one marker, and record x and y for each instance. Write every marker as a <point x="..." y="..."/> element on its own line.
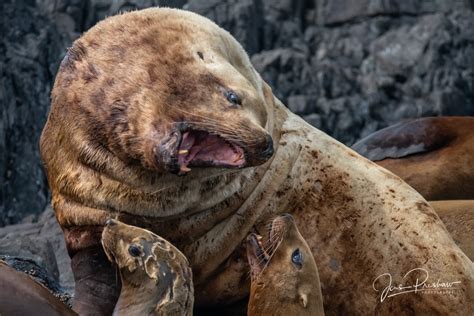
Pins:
<point x="348" y="67"/>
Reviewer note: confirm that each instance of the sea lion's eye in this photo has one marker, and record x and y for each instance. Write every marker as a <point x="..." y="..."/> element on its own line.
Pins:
<point x="134" y="250"/>
<point x="233" y="98"/>
<point x="297" y="258"/>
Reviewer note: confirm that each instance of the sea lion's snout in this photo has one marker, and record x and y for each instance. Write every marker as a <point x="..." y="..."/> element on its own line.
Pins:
<point x="111" y="222"/>
<point x="267" y="152"/>
<point x="195" y="147"/>
<point x="165" y="154"/>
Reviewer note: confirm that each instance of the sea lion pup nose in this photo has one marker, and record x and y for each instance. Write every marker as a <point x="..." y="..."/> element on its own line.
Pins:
<point x="285" y="279"/>
<point x="155" y="275"/>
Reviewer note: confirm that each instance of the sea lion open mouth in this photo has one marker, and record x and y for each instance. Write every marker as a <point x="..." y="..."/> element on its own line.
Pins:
<point x="257" y="249"/>
<point x="202" y="149"/>
<point x="260" y="252"/>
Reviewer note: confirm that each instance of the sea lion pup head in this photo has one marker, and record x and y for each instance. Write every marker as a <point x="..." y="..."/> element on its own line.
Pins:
<point x="167" y="89"/>
<point x="155" y="275"/>
<point x="284" y="275"/>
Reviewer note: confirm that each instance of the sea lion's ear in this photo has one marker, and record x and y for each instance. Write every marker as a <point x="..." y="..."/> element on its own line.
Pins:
<point x="303" y="300"/>
<point x="268" y="94"/>
<point x="150" y="268"/>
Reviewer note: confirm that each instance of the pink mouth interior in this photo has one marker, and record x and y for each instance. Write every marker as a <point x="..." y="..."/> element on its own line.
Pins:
<point x="203" y="149"/>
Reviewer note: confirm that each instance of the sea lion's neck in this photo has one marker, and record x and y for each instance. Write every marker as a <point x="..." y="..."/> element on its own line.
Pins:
<point x="134" y="300"/>
<point x="170" y="295"/>
<point x="266" y="192"/>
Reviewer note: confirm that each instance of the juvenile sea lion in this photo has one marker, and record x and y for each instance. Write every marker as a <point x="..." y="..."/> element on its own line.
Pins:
<point x="21" y="295"/>
<point x="155" y="276"/>
<point x="434" y="155"/>
<point x="285" y="279"/>
<point x="144" y="96"/>
<point x="458" y="216"/>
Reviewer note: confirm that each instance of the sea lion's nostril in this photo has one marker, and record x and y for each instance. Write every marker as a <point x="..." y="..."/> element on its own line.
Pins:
<point x="268" y="151"/>
<point x="110" y="222"/>
<point x="287" y="216"/>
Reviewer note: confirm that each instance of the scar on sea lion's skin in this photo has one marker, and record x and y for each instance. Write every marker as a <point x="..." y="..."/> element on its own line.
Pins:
<point x="155" y="275"/>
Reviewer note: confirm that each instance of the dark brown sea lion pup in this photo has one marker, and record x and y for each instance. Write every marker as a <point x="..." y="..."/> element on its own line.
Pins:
<point x="21" y="295"/>
<point x="144" y="96"/>
<point x="155" y="276"/>
<point x="458" y="216"/>
<point x="285" y="279"/>
<point x="434" y="155"/>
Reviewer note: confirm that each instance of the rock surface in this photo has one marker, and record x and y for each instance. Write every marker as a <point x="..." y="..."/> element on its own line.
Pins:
<point x="349" y="68"/>
<point x="39" y="249"/>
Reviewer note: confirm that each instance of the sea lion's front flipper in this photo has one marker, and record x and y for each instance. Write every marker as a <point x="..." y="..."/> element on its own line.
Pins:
<point x="403" y="139"/>
<point x="97" y="286"/>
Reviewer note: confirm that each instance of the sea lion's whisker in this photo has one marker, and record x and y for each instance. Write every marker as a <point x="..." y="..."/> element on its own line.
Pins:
<point x="117" y="276"/>
<point x="212" y="124"/>
<point x="221" y="128"/>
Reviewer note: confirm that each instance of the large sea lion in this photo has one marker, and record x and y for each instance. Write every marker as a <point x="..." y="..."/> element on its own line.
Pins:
<point x="138" y="96"/>
<point x="155" y="276"/>
<point x="434" y="155"/>
<point x="285" y="279"/>
<point x="21" y="295"/>
<point x="458" y="216"/>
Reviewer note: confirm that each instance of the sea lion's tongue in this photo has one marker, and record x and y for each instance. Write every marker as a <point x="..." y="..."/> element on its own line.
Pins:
<point x="204" y="149"/>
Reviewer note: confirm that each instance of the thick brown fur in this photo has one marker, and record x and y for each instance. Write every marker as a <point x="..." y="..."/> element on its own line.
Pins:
<point x="21" y="295"/>
<point x="434" y="155"/>
<point x="280" y="286"/>
<point x="156" y="279"/>
<point x="118" y="97"/>
<point x="458" y="217"/>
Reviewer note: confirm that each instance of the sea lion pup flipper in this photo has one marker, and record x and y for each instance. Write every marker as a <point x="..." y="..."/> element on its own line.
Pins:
<point x="285" y="279"/>
<point x="155" y="275"/>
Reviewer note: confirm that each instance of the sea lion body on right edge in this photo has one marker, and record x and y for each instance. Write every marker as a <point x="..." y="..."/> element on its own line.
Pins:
<point x="432" y="154"/>
<point x="145" y="96"/>
<point x="458" y="217"/>
<point x="285" y="279"/>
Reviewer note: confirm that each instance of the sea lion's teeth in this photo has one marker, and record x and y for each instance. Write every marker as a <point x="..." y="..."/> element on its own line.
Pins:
<point x="183" y="151"/>
<point x="184" y="168"/>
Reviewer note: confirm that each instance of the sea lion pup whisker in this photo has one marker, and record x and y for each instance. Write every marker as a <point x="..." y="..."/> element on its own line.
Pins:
<point x="268" y="247"/>
<point x="287" y="281"/>
<point x="156" y="277"/>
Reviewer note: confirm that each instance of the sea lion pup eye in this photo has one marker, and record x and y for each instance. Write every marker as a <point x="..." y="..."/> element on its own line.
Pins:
<point x="284" y="275"/>
<point x="297" y="258"/>
<point x="156" y="277"/>
<point x="134" y="250"/>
